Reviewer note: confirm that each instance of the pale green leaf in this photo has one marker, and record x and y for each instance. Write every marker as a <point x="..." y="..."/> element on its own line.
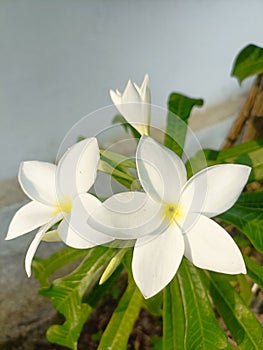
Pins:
<point x="120" y="326"/>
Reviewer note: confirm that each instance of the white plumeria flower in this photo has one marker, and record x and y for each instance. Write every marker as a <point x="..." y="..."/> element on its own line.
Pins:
<point x="186" y="207"/>
<point x="172" y="217"/>
<point x="134" y="104"/>
<point x="53" y="190"/>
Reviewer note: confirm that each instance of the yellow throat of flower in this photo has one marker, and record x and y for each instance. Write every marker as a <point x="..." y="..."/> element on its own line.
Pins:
<point x="64" y="205"/>
<point x="172" y="212"/>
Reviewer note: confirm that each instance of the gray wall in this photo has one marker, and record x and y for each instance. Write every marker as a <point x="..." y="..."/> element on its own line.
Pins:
<point x="59" y="58"/>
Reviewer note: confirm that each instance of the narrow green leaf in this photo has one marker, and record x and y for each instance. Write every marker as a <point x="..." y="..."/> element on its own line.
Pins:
<point x="248" y="62"/>
<point x="236" y="151"/>
<point x="121" y="323"/>
<point x="173" y="317"/>
<point x="255" y="271"/>
<point x="179" y="109"/>
<point x="66" y="295"/>
<point x="44" y="268"/>
<point x="201" y="327"/>
<point x="118" y="159"/>
<point x="247" y="220"/>
<point x="243" y="325"/>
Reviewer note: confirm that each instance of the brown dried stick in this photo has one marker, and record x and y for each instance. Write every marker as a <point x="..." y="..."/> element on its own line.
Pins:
<point x="254" y="125"/>
<point x="243" y="116"/>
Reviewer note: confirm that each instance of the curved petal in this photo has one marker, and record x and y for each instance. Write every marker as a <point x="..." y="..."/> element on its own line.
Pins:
<point x="77" y="169"/>
<point x="161" y="172"/>
<point x="209" y="246"/>
<point x="144" y="90"/>
<point x="28" y="218"/>
<point x="155" y="263"/>
<point x="215" y="189"/>
<point x="36" y="241"/>
<point x="75" y="230"/>
<point x="127" y="215"/>
<point x="38" y="181"/>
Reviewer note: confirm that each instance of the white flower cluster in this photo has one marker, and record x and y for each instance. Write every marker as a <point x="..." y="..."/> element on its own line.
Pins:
<point x="169" y="220"/>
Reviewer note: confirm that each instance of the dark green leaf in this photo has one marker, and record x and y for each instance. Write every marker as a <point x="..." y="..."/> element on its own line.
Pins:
<point x="248" y="62"/>
<point x="243" y="325"/>
<point x="247" y="220"/>
<point x="66" y="295"/>
<point x="255" y="271"/>
<point x="179" y="109"/>
<point x="251" y="200"/>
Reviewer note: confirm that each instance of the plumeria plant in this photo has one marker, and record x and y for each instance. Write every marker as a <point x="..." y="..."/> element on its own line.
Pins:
<point x="181" y="241"/>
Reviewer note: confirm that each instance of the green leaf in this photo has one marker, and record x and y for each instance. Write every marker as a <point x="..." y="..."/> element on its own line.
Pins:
<point x="196" y="326"/>
<point x="244" y="289"/>
<point x="236" y="151"/>
<point x="173" y="317"/>
<point x="248" y="62"/>
<point x="118" y="330"/>
<point x="179" y="107"/>
<point x="250" y="153"/>
<point x="247" y="220"/>
<point x="44" y="268"/>
<point x="251" y="200"/>
<point x="243" y="325"/>
<point x="255" y="271"/>
<point x="154" y="305"/>
<point x="66" y="295"/>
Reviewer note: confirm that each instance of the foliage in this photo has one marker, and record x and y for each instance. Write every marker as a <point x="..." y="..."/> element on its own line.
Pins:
<point x="193" y="303"/>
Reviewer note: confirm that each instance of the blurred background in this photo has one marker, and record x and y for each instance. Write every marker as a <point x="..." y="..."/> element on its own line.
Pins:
<point x="60" y="58"/>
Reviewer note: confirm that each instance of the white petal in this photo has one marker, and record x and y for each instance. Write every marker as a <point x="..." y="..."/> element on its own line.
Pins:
<point x="145" y="90"/>
<point x="131" y="94"/>
<point x="28" y="218"/>
<point x="38" y="181"/>
<point x="36" y="241"/>
<point x="77" y="169"/>
<point x="155" y="263"/>
<point x="75" y="230"/>
<point x="115" y="97"/>
<point x="215" y="189"/>
<point x="127" y="215"/>
<point x="161" y="172"/>
<point x="209" y="246"/>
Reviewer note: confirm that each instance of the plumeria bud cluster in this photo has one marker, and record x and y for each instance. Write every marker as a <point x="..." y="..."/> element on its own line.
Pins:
<point x="169" y="219"/>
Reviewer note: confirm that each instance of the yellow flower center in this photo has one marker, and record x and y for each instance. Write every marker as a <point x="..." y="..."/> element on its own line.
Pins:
<point x="63" y="206"/>
<point x="172" y="212"/>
